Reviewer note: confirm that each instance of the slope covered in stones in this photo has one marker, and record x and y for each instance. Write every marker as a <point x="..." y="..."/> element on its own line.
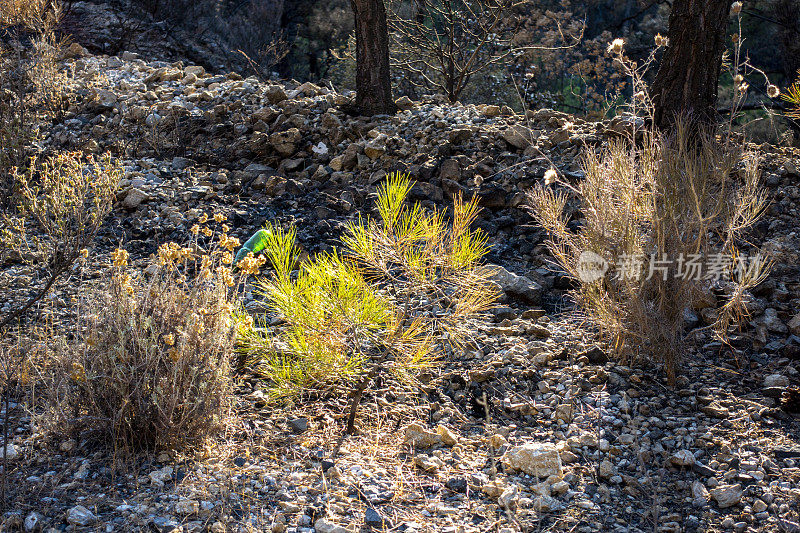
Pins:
<point x="569" y="440"/>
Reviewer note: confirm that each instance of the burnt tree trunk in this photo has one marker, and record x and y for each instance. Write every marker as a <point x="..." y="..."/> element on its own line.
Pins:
<point x="686" y="83"/>
<point x="373" y="84"/>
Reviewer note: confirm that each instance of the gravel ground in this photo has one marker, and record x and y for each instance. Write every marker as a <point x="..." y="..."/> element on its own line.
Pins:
<point x="531" y="428"/>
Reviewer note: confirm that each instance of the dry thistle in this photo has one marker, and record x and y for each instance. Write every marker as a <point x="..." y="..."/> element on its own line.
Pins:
<point x="616" y="46"/>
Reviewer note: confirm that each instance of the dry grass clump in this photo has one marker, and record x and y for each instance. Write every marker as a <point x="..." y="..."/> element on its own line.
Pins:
<point x="391" y="301"/>
<point x="664" y="220"/>
<point x="31" y="84"/>
<point x="662" y="223"/>
<point x="152" y="369"/>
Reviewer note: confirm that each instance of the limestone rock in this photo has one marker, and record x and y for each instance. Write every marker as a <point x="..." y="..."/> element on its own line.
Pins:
<point x="535" y="458"/>
<point x="517" y="285"/>
<point x="727" y="495"/>
<point x="80" y="516"/>
<point x="275" y="94"/>
<point x="323" y="525"/>
<point x="420" y="437"/>
<point x="519" y="136"/>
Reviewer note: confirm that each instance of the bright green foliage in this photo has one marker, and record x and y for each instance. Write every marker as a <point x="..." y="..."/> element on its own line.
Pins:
<point x="399" y="291"/>
<point x="792" y="95"/>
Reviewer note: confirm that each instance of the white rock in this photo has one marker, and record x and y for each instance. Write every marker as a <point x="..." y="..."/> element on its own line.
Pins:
<point x="776" y="380"/>
<point x="699" y="491"/>
<point x="323" y="525"/>
<point x="12" y="452"/>
<point x="535" y="459"/>
<point x="80" y="516"/>
<point x="683" y="458"/>
<point x="187" y="507"/>
<point x="320" y="148"/>
<point x="420" y="437"/>
<point x="727" y="495"/>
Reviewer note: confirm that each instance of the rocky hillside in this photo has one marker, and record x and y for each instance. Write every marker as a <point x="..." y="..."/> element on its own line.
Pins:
<point x="534" y="429"/>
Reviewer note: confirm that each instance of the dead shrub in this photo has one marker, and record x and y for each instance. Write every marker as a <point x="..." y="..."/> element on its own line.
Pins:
<point x="152" y="368"/>
<point x="661" y="228"/>
<point x="650" y="211"/>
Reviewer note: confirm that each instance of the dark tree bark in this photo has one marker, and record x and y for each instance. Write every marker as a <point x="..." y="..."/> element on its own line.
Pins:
<point x="373" y="84"/>
<point x="686" y="83"/>
<point x="787" y="14"/>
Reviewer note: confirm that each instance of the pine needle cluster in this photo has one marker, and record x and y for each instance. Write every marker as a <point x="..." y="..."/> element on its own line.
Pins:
<point x="396" y="296"/>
